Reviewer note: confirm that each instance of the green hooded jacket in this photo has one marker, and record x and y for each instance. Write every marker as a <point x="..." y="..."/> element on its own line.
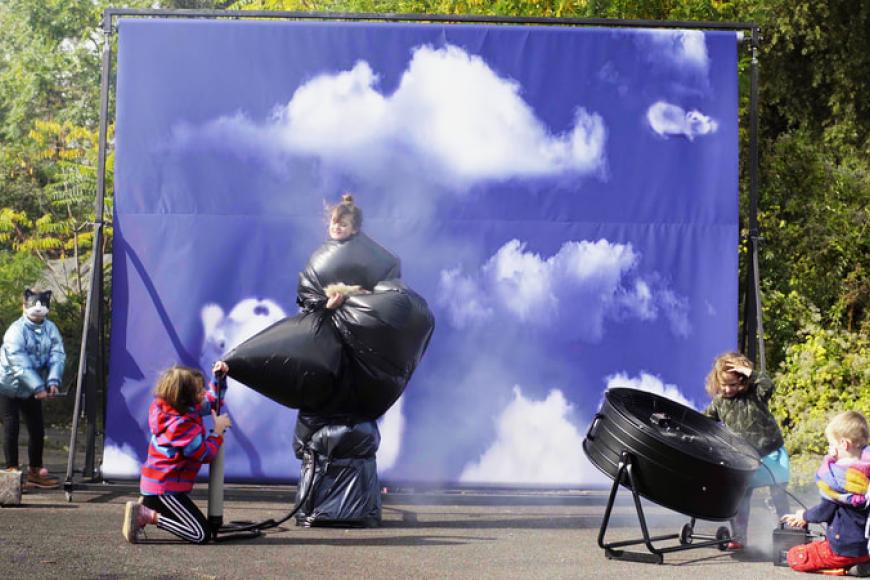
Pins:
<point x="747" y="414"/>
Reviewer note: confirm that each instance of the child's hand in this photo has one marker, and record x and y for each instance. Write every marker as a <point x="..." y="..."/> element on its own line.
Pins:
<point x="335" y="300"/>
<point x="220" y="368"/>
<point x="740" y="370"/>
<point x="221" y="423"/>
<point x="40" y="395"/>
<point x="795" y="520"/>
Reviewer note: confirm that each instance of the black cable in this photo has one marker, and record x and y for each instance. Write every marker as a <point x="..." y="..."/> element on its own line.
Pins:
<point x="271" y="523"/>
<point x="243" y="526"/>
<point x="772" y="477"/>
<point x="784" y="488"/>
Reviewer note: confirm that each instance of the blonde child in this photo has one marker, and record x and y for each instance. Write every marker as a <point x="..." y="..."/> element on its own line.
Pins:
<point x="740" y="399"/>
<point x="842" y="480"/>
<point x="179" y="446"/>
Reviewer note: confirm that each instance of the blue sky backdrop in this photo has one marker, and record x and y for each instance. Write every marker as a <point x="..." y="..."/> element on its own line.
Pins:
<point x="564" y="198"/>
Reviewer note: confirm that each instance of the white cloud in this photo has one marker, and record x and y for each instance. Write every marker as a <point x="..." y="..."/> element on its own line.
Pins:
<point x="462" y="296"/>
<point x="334" y="114"/>
<point x="649" y="383"/>
<point x="584" y="283"/>
<point x="536" y="443"/>
<point x="392" y="427"/>
<point x="676" y="309"/>
<point x="120" y="462"/>
<point x="683" y="48"/>
<point x="451" y="115"/>
<point x="668" y="119"/>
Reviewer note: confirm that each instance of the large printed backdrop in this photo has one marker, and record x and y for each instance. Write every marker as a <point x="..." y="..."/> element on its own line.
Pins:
<point x="564" y="198"/>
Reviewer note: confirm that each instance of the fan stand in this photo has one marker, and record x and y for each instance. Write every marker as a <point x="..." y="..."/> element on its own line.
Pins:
<point x="686" y="536"/>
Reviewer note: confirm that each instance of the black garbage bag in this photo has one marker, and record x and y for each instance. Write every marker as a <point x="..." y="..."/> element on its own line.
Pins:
<point x="339" y="481"/>
<point x="295" y="362"/>
<point x="386" y="333"/>
<point x="307" y="424"/>
<point x="357" y="261"/>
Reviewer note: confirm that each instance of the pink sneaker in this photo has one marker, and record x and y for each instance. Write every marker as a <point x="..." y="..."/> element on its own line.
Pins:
<point x="136" y="517"/>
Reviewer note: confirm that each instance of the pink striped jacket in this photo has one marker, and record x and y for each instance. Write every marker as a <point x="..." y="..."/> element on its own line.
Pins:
<point x="179" y="446"/>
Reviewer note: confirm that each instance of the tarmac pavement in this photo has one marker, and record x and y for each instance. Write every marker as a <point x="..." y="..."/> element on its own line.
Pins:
<point x="440" y="534"/>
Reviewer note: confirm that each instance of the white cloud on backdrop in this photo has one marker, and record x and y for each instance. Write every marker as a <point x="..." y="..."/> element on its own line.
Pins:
<point x="535" y="443"/>
<point x="120" y="461"/>
<point x="649" y="383"/>
<point x="683" y="48"/>
<point x="668" y="119"/>
<point x="392" y="427"/>
<point x="451" y="113"/>
<point x="585" y="282"/>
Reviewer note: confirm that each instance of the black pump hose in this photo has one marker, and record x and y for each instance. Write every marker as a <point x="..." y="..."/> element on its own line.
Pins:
<point x="242" y="526"/>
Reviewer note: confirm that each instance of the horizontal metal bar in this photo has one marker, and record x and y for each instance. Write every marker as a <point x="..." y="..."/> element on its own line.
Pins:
<point x="641" y="541"/>
<point x="692" y="546"/>
<point x="443" y="18"/>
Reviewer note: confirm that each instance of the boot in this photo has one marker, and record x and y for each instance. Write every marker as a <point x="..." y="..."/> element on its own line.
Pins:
<point x="39" y="477"/>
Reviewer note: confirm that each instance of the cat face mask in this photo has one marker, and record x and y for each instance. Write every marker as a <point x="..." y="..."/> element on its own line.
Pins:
<point x="37" y="304"/>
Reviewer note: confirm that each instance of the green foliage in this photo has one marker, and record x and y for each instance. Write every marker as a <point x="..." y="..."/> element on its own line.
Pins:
<point x="17" y="271"/>
<point x="816" y="57"/>
<point x="824" y="373"/>
<point x="816" y="223"/>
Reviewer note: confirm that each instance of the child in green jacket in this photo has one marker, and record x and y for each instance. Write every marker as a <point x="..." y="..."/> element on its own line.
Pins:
<point x="740" y="398"/>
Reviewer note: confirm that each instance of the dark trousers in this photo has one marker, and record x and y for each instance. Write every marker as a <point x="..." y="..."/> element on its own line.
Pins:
<point x="179" y="516"/>
<point x="31" y="408"/>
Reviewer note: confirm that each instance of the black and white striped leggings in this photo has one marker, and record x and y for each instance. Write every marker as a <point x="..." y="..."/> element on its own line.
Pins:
<point x="179" y="516"/>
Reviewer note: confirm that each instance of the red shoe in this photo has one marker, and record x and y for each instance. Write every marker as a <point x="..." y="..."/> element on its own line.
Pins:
<point x="734" y="546"/>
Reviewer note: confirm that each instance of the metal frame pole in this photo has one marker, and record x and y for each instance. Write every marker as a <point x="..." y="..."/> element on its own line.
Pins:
<point x="427" y="18"/>
<point x="752" y="303"/>
<point x="92" y="330"/>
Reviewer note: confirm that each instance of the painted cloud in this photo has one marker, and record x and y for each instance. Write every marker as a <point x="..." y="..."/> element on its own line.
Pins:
<point x="685" y="49"/>
<point x="668" y="119"/>
<point x="120" y="461"/>
<point x="450" y="113"/>
<point x="585" y="282"/>
<point x="649" y="383"/>
<point x="536" y="443"/>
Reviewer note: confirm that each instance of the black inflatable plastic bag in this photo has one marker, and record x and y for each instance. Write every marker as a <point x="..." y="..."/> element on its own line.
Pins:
<point x="357" y="261"/>
<point x="295" y="362"/>
<point x="339" y="481"/>
<point x="361" y="365"/>
<point x="386" y="333"/>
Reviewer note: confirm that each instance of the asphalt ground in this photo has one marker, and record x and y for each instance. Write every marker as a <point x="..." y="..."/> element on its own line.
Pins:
<point x="434" y="534"/>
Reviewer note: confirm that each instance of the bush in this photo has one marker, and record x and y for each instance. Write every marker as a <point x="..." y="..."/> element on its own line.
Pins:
<point x="14" y="269"/>
<point x="825" y="373"/>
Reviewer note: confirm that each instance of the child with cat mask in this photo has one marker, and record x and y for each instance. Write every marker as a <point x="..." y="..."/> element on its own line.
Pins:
<point x="32" y="360"/>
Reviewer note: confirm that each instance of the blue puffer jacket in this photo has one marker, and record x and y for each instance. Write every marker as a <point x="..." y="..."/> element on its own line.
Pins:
<point x="31" y="358"/>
